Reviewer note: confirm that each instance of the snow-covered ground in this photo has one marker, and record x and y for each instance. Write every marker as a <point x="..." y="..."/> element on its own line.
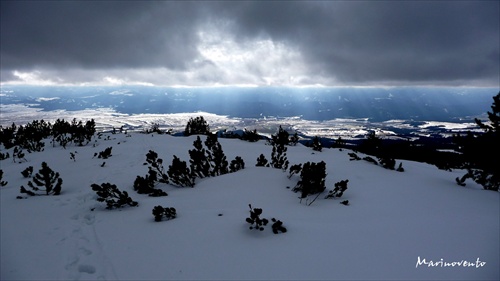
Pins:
<point x="394" y="220"/>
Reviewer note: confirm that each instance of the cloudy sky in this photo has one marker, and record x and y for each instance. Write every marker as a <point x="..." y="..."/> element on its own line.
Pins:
<point x="201" y="43"/>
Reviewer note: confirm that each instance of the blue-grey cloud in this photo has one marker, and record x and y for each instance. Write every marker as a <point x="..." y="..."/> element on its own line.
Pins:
<point x="358" y="42"/>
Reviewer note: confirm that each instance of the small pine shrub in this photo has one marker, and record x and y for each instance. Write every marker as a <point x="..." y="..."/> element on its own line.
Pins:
<point x="4" y="156"/>
<point x="295" y="169"/>
<point x="461" y="181"/>
<point x="19" y="154"/>
<point x="312" y="179"/>
<point x="251" y="136"/>
<point x="218" y="160"/>
<point x="72" y="156"/>
<point x="484" y="178"/>
<point x="27" y="172"/>
<point x="199" y="163"/>
<point x="154" y="128"/>
<point x="262" y="161"/>
<point x="294" y="139"/>
<point x="7" y="135"/>
<point x="145" y="185"/>
<point x="160" y="212"/>
<point x="180" y="174"/>
<point x="236" y="164"/>
<point x="388" y="163"/>
<point x="254" y="220"/>
<point x="2" y="183"/>
<point x="316" y="144"/>
<point x="197" y="126"/>
<point x="105" y="154"/>
<point x="113" y="197"/>
<point x="30" y="136"/>
<point x="338" y="191"/>
<point x="46" y="180"/>
<point x="277" y="226"/>
<point x="400" y="168"/>
<point x="280" y="138"/>
<point x="278" y="157"/>
<point x="156" y="165"/>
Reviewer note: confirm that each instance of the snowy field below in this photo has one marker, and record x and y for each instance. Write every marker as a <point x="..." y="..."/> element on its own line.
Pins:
<point x="394" y="220"/>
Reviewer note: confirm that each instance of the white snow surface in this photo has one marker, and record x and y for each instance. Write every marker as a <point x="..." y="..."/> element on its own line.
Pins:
<point x="393" y="220"/>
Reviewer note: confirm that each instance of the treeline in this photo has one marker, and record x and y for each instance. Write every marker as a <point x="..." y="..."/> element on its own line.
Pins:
<point x="62" y="132"/>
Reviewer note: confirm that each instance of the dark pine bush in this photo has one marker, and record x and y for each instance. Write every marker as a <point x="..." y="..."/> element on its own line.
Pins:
<point x="254" y="220"/>
<point x="113" y="197"/>
<point x="167" y="213"/>
<point x="156" y="166"/>
<point x="27" y="172"/>
<point x="278" y="157"/>
<point x="46" y="180"/>
<point x="295" y="169"/>
<point x="338" y="191"/>
<point x="2" y="183"/>
<point x="200" y="165"/>
<point x="197" y="126"/>
<point x="145" y="185"/>
<point x="236" y="164"/>
<point x="251" y="136"/>
<point x="180" y="174"/>
<point x="312" y="179"/>
<point x="105" y="154"/>
<point x="277" y="226"/>
<point x="262" y="161"/>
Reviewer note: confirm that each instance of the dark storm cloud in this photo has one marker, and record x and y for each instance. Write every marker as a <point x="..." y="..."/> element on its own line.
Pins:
<point x="351" y="42"/>
<point x="382" y="41"/>
<point x="97" y="34"/>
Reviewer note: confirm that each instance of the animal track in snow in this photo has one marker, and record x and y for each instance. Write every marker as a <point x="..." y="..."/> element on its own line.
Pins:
<point x="86" y="268"/>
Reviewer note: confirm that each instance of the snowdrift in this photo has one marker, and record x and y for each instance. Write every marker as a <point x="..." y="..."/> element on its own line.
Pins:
<point x="416" y="225"/>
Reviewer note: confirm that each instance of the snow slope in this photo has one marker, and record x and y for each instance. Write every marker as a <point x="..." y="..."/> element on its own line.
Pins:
<point x="393" y="220"/>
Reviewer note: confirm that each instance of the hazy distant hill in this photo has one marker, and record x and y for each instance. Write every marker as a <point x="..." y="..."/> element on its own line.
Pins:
<point x="377" y="104"/>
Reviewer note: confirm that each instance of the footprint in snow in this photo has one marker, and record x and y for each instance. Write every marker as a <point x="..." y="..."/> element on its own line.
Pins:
<point x="86" y="268"/>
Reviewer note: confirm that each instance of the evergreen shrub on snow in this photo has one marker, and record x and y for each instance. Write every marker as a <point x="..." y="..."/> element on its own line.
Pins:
<point x="482" y="152"/>
<point x="338" y="191"/>
<point x="4" y="156"/>
<point x="262" y="161"/>
<point x="2" y="183"/>
<point x="197" y="126"/>
<point x="46" y="180"/>
<point x="312" y="179"/>
<point x="295" y="169"/>
<point x="167" y="213"/>
<point x="236" y="164"/>
<point x="258" y="223"/>
<point x="27" y="172"/>
<point x="215" y="156"/>
<point x="199" y="162"/>
<point x="156" y="166"/>
<point x="113" y="197"/>
<point x="251" y="136"/>
<point x="146" y="185"/>
<point x="278" y="157"/>
<point x="255" y="221"/>
<point x="105" y="154"/>
<point x="277" y="226"/>
<point x="179" y="174"/>
<point x="316" y="144"/>
<point x="19" y="154"/>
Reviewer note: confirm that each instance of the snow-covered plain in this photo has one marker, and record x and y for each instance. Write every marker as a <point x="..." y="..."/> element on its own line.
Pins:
<point x="394" y="220"/>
